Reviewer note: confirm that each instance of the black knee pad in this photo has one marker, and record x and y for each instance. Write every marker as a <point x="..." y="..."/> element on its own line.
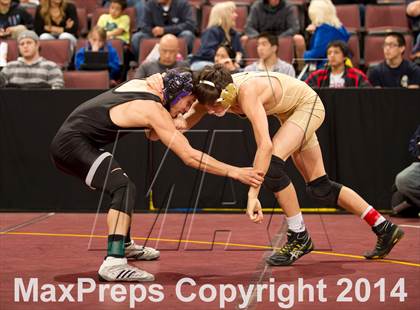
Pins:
<point x="276" y="178"/>
<point x="122" y="191"/>
<point x="324" y="191"/>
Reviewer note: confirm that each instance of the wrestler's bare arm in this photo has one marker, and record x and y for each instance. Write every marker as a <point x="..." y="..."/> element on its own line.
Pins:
<point x="194" y="115"/>
<point x="253" y="108"/>
<point x="162" y="123"/>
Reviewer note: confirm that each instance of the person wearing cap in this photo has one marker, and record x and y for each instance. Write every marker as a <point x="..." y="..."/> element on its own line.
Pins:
<point x="31" y="70"/>
<point x="77" y="149"/>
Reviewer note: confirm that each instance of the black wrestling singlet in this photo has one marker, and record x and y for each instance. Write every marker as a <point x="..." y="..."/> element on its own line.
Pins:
<point x="88" y="128"/>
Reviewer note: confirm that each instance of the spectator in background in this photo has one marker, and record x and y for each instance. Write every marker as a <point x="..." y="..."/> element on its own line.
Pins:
<point x="97" y="43"/>
<point x="13" y="20"/>
<point x="31" y="70"/>
<point x="226" y="57"/>
<point x="168" y="51"/>
<point x="395" y="71"/>
<point x="28" y="3"/>
<point x="413" y="11"/>
<point x="138" y="6"/>
<point x="326" y="27"/>
<point x="338" y="74"/>
<point x="166" y="16"/>
<point x="220" y="29"/>
<point x="275" y="17"/>
<point x="57" y="19"/>
<point x="407" y="182"/>
<point x="267" y="46"/>
<point x="115" y="23"/>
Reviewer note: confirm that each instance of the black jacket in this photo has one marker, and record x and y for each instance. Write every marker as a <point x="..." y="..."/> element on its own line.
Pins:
<point x="278" y="20"/>
<point x="70" y="12"/>
<point x="16" y="16"/>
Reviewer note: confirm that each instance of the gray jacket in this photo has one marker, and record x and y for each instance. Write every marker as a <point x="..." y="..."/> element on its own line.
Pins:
<point x="278" y="20"/>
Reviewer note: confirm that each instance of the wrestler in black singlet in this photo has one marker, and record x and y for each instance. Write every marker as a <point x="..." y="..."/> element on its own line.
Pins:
<point x="89" y="127"/>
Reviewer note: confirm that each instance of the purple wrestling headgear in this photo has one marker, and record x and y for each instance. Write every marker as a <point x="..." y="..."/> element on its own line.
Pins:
<point x="177" y="85"/>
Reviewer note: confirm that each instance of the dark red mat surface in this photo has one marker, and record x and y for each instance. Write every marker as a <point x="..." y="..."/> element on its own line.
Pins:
<point x="224" y="251"/>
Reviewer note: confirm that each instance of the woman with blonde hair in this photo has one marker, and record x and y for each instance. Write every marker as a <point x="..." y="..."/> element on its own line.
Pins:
<point x="220" y="29"/>
<point x="326" y="27"/>
<point x="57" y="19"/>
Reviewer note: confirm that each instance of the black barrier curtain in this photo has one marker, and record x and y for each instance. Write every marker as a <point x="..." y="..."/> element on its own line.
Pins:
<point x="364" y="141"/>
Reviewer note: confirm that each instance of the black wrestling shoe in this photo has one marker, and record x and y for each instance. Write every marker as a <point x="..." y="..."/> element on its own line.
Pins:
<point x="297" y="245"/>
<point x="388" y="236"/>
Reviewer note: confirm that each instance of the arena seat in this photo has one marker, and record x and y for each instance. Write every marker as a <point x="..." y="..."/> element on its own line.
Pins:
<point x="89" y="5"/>
<point x="12" y="49"/>
<point x="385" y="18"/>
<point x="57" y="51"/>
<point x="83" y="22"/>
<point x="349" y="15"/>
<point x="354" y="47"/>
<point x="86" y="79"/>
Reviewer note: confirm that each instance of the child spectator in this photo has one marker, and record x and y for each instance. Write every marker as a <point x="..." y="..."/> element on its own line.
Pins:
<point x="115" y="23"/>
<point x="97" y="43"/>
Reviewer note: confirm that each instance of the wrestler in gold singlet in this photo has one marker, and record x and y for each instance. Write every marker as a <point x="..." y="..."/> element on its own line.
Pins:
<point x="297" y="103"/>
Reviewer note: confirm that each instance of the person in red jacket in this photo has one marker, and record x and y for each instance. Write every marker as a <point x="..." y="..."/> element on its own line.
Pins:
<point x="338" y="73"/>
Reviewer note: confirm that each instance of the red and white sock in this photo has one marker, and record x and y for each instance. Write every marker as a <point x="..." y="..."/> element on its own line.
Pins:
<point x="372" y="217"/>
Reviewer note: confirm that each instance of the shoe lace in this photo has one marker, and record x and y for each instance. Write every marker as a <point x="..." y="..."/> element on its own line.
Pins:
<point x="289" y="247"/>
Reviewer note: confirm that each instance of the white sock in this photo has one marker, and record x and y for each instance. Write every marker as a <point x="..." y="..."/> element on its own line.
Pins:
<point x="295" y="223"/>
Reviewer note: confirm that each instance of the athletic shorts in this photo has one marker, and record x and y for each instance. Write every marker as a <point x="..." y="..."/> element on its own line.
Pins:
<point x="308" y="115"/>
<point x="77" y="156"/>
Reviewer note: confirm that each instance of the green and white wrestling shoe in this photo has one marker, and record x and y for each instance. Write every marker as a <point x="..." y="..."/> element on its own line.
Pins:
<point x="117" y="269"/>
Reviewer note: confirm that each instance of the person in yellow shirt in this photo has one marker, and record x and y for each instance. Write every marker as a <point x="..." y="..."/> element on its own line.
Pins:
<point x="115" y="23"/>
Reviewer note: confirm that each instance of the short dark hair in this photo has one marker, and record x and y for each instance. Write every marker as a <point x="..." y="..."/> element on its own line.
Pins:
<point x="341" y="45"/>
<point x="123" y="3"/>
<point x="400" y="38"/>
<point x="270" y="37"/>
<point x="229" y="50"/>
<point x="219" y="75"/>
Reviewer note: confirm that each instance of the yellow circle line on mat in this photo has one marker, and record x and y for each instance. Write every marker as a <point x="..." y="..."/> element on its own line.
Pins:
<point x="243" y="245"/>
